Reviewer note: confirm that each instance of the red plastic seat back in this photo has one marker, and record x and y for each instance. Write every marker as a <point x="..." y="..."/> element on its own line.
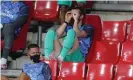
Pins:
<point x="46" y="10"/>
<point x="106" y="52"/>
<point x="124" y="72"/>
<point x="20" y="42"/>
<point x="95" y="21"/>
<point x="72" y="71"/>
<point x="53" y="66"/>
<point x="127" y="53"/>
<point x="114" y="30"/>
<point x="130" y="35"/>
<point x="100" y="72"/>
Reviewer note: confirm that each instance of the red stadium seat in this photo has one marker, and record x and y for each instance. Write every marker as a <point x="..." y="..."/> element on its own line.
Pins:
<point x="46" y="11"/>
<point x="20" y="42"/>
<point x="106" y="52"/>
<point x="127" y="53"/>
<point x="100" y="72"/>
<point x="72" y="71"/>
<point x="130" y="35"/>
<point x="95" y="21"/>
<point x="114" y="30"/>
<point x="124" y="72"/>
<point x="53" y="66"/>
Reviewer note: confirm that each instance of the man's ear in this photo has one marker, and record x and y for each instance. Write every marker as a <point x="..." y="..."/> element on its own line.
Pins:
<point x="28" y="54"/>
<point x="82" y="16"/>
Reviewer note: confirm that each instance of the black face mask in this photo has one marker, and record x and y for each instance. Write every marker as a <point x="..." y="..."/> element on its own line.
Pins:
<point x="35" y="58"/>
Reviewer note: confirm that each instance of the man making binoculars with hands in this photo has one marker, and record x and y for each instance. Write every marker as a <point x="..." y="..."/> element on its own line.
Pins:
<point x="77" y="40"/>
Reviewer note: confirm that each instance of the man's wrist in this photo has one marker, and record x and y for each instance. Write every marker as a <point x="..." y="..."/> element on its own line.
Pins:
<point x="76" y="21"/>
<point x="66" y="22"/>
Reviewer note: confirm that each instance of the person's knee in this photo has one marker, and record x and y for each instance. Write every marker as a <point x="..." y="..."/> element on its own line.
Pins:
<point x="24" y="76"/>
<point x="4" y="78"/>
<point x="51" y="31"/>
<point x="71" y="33"/>
<point x="8" y="32"/>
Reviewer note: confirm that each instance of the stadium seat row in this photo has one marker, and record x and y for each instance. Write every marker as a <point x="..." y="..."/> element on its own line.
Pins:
<point x="82" y="71"/>
<point x="114" y="47"/>
<point x="117" y="31"/>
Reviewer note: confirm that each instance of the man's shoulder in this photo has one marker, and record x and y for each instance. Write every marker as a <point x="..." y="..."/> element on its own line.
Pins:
<point x="45" y="64"/>
<point x="88" y="25"/>
<point x="36" y="65"/>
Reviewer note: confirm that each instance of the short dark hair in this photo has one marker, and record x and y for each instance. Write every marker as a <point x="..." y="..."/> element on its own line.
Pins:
<point x="33" y="46"/>
<point x="82" y="10"/>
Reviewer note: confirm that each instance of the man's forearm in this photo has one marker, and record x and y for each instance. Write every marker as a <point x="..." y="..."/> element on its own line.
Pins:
<point x="61" y="30"/>
<point x="76" y="28"/>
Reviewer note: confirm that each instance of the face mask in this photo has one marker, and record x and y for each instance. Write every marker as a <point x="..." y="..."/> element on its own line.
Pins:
<point x="35" y="58"/>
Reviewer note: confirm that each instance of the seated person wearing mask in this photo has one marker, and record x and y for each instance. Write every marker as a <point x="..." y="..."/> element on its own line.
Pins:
<point x="13" y="14"/>
<point x="35" y="69"/>
<point x="76" y="43"/>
